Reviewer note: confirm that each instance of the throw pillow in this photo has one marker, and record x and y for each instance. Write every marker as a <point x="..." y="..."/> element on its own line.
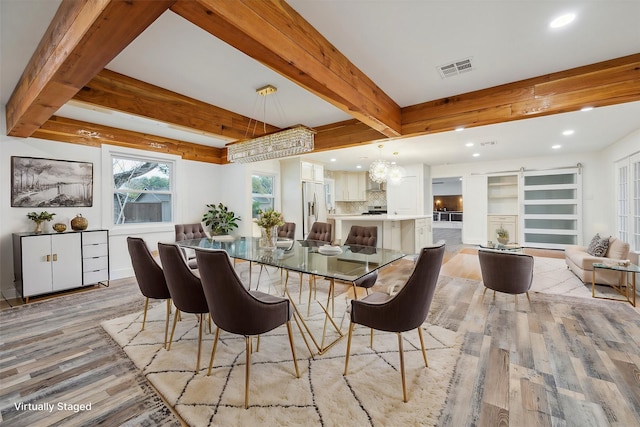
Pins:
<point x="600" y="248"/>
<point x="592" y="245"/>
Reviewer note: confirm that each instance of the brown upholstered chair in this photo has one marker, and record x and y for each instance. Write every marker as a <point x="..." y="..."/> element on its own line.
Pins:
<point x="507" y="272"/>
<point x="404" y="311"/>
<point x="185" y="289"/>
<point x="288" y="230"/>
<point x="150" y="278"/>
<point x="363" y="240"/>
<point x="320" y="232"/>
<point x="239" y="311"/>
<point x="188" y="232"/>
<point x="319" y="235"/>
<point x="362" y="236"/>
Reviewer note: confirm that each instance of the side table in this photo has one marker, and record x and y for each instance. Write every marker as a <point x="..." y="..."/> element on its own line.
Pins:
<point x="625" y="287"/>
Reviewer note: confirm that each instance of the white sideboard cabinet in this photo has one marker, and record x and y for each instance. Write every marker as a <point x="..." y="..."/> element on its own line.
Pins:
<point x="46" y="263"/>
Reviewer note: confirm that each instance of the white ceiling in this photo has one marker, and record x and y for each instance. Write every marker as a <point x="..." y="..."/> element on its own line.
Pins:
<point x="399" y="45"/>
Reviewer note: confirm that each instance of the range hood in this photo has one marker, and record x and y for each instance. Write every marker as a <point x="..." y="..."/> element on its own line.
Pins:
<point x="375" y="186"/>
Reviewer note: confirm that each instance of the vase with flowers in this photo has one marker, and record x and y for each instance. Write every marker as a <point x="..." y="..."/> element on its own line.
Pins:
<point x="269" y="221"/>
<point x="39" y="218"/>
<point x="502" y="235"/>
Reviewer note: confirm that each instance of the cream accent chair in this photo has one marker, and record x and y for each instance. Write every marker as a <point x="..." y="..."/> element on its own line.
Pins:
<point x="581" y="263"/>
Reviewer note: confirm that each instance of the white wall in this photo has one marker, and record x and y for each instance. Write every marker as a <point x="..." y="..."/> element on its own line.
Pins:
<point x="199" y="184"/>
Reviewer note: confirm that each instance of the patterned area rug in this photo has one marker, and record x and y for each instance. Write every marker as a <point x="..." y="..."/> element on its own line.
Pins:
<point x="371" y="394"/>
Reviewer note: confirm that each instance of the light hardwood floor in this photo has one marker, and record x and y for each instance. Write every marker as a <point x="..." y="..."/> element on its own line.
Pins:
<point x="556" y="361"/>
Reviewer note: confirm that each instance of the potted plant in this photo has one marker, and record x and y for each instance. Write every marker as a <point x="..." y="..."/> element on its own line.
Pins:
<point x="220" y="219"/>
<point x="39" y="218"/>
<point x="502" y="235"/>
<point x="269" y="221"/>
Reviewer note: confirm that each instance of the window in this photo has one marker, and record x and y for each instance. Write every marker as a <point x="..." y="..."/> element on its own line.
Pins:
<point x="142" y="189"/>
<point x="628" y="197"/>
<point x="262" y="194"/>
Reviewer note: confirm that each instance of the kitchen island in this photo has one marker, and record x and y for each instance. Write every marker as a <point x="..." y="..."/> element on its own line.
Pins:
<point x="406" y="233"/>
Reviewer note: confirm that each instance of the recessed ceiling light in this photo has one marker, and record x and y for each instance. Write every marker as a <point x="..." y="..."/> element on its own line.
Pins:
<point x="476" y="154"/>
<point x="333" y="160"/>
<point x="562" y="20"/>
<point x="586" y="109"/>
<point x="555" y="147"/>
<point x="469" y="144"/>
<point x="358" y="166"/>
<point x="568" y="132"/>
<point x="459" y="129"/>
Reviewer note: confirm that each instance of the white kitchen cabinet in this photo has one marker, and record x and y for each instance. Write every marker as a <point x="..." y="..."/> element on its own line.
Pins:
<point x="46" y="263"/>
<point x="392" y="235"/>
<point x="416" y="234"/>
<point x="350" y="186"/>
<point x="95" y="257"/>
<point x="311" y="172"/>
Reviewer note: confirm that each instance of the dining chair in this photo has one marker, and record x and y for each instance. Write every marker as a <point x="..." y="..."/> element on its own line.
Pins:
<point x="287" y="230"/>
<point x="319" y="234"/>
<point x="185" y="289"/>
<point x="150" y="278"/>
<point x="188" y="232"/>
<point x="507" y="272"/>
<point x="240" y="311"/>
<point x="363" y="239"/>
<point x="403" y="311"/>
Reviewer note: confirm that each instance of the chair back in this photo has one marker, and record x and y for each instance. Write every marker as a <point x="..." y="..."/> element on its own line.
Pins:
<point x="288" y="230"/>
<point x="408" y="309"/>
<point x="184" y="285"/>
<point x="233" y="308"/>
<point x="507" y="272"/>
<point x="189" y="231"/>
<point x="320" y="231"/>
<point x="148" y="272"/>
<point x="362" y="236"/>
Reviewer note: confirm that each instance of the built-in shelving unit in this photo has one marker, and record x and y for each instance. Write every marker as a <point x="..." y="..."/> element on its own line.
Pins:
<point x="552" y="208"/>
<point x="502" y="206"/>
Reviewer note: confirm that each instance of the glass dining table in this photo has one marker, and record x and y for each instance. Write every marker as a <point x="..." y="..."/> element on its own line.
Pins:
<point x="346" y="263"/>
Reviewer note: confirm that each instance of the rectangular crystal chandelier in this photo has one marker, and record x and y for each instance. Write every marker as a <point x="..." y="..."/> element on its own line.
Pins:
<point x="284" y="143"/>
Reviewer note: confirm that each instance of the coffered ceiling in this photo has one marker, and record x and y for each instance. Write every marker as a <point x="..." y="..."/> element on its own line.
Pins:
<point x="359" y="72"/>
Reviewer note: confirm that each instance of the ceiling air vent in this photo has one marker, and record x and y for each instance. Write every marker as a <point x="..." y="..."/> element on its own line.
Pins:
<point x="455" y="68"/>
<point x="488" y="143"/>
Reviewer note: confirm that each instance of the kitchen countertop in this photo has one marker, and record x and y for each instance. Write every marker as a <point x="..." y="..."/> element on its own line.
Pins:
<point x="384" y="217"/>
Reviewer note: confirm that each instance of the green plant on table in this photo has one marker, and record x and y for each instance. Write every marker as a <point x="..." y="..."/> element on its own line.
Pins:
<point x="39" y="218"/>
<point x="220" y="219"/>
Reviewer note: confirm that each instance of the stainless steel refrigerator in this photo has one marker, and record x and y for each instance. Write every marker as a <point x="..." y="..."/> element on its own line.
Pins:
<point x="314" y="207"/>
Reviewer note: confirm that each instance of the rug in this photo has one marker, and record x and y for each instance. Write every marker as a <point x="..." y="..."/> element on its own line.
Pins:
<point x="550" y="275"/>
<point x="371" y="394"/>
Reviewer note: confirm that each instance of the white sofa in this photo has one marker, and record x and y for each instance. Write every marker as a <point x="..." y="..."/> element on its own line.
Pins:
<point x="581" y="263"/>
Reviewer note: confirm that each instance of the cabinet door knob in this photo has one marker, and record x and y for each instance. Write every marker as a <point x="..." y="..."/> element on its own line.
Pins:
<point x="48" y="258"/>
<point x="55" y="257"/>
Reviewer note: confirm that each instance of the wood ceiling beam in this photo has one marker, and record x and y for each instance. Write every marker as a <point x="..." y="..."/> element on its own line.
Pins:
<point x="350" y="133"/>
<point x="273" y="33"/>
<point x="606" y="83"/>
<point x="115" y="91"/>
<point x="90" y="134"/>
<point x="82" y="38"/>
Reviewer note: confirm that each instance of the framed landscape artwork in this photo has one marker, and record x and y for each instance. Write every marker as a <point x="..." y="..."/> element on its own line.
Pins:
<point x="45" y="183"/>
